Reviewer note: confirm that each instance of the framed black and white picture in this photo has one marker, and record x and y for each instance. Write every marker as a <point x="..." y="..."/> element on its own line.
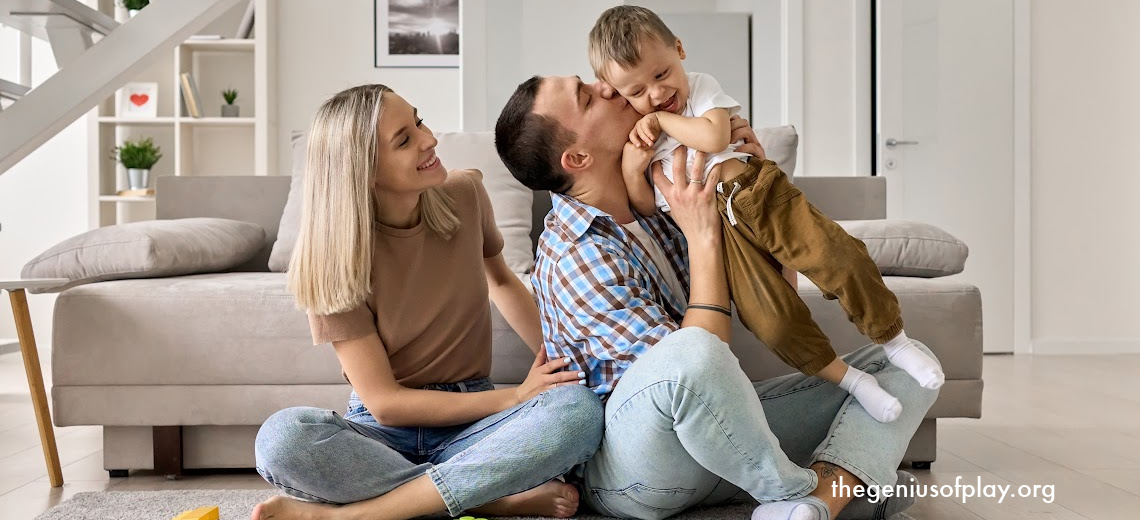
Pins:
<point x="417" y="33"/>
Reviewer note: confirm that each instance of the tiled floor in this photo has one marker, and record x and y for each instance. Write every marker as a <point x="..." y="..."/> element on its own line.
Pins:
<point x="1069" y="421"/>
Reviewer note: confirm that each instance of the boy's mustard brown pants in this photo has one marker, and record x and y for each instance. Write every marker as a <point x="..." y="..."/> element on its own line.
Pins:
<point x="768" y="223"/>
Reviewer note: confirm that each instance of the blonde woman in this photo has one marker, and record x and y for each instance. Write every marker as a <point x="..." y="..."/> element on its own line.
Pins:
<point x="394" y="263"/>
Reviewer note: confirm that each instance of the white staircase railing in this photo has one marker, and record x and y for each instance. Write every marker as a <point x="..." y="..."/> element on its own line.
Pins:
<point x="35" y="17"/>
<point x="12" y="91"/>
<point x="69" y="25"/>
<point x="89" y="72"/>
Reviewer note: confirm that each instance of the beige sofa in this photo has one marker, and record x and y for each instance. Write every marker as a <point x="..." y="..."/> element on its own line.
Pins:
<point x="181" y="371"/>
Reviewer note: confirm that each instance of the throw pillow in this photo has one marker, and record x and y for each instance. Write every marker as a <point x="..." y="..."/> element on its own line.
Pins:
<point x="290" y="224"/>
<point x="780" y="143"/>
<point x="149" y="249"/>
<point x="901" y="248"/>
<point x="510" y="199"/>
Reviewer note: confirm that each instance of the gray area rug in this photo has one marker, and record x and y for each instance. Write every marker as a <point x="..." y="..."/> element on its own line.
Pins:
<point x="237" y="505"/>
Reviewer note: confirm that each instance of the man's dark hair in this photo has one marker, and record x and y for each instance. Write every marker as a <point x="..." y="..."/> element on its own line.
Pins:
<point x="530" y="144"/>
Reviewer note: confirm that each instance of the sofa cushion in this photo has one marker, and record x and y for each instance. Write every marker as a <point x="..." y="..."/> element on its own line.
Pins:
<point x="902" y="248"/>
<point x="148" y="250"/>
<point x="290" y="224"/>
<point x="946" y="315"/>
<point x="780" y="144"/>
<point x="458" y="150"/>
<point x="205" y="329"/>
<point x="509" y="198"/>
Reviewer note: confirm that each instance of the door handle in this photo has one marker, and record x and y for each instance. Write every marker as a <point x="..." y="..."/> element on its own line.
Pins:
<point x="891" y="141"/>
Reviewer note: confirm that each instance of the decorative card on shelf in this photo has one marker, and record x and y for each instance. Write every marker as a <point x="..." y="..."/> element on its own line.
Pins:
<point x="190" y="97"/>
<point x="417" y="33"/>
<point x="137" y="100"/>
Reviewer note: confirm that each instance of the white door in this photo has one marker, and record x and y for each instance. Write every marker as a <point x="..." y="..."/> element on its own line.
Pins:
<point x="945" y="143"/>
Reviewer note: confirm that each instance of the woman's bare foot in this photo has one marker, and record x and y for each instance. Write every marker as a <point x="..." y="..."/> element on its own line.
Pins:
<point x="554" y="498"/>
<point x="285" y="508"/>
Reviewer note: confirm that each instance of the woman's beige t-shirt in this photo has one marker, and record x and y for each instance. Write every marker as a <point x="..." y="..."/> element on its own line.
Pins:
<point x="429" y="295"/>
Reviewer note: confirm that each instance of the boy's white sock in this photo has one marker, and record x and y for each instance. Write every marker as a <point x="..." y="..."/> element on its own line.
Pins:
<point x="904" y="354"/>
<point x="881" y="405"/>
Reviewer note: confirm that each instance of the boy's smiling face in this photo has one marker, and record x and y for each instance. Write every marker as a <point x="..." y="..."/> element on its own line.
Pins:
<point x="657" y="82"/>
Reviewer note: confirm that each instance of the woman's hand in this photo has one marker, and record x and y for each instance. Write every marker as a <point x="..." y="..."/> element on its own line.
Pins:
<point x="742" y="131"/>
<point x="691" y="196"/>
<point x="545" y="375"/>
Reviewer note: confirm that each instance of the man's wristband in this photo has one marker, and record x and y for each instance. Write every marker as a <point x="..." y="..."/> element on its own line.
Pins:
<point x="716" y="308"/>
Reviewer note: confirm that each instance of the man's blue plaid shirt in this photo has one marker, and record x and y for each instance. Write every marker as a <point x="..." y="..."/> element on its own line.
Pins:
<point x="602" y="300"/>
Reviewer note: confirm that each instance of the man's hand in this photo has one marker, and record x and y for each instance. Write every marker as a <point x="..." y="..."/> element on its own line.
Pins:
<point x="741" y="130"/>
<point x="645" y="132"/>
<point x="691" y="197"/>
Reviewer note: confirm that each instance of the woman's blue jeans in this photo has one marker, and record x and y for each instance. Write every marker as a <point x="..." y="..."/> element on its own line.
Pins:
<point x="317" y="455"/>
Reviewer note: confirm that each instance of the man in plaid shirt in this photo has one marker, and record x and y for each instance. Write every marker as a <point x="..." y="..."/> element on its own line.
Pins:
<point x="641" y="305"/>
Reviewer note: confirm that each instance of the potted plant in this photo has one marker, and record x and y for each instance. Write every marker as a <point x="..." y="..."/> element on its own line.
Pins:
<point x="134" y="6"/>
<point x="138" y="157"/>
<point x="230" y="109"/>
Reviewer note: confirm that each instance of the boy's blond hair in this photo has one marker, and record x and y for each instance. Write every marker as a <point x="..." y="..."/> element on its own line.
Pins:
<point x="618" y="33"/>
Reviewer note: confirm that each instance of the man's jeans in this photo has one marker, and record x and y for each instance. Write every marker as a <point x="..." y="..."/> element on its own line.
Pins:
<point x="685" y="427"/>
<point x="317" y="455"/>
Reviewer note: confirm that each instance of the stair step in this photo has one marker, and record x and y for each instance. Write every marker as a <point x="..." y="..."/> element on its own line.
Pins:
<point x="12" y="91"/>
<point x="36" y="16"/>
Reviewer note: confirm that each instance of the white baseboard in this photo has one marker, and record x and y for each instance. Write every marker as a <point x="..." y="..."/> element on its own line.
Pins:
<point x="1086" y="346"/>
<point x="9" y="345"/>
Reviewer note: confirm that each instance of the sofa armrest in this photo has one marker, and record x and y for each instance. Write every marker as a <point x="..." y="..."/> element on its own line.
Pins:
<point x="846" y="198"/>
<point x="257" y="199"/>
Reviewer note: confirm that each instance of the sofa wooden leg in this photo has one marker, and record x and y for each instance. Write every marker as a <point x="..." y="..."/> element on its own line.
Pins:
<point x="119" y="473"/>
<point x="921" y="464"/>
<point x="168" y="450"/>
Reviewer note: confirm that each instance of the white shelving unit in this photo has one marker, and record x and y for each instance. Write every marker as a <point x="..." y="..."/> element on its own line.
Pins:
<point x="207" y="145"/>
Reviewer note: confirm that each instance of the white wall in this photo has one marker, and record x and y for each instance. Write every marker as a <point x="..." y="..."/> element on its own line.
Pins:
<point x="836" y="135"/>
<point x="321" y="51"/>
<point x="44" y="198"/>
<point x="1086" y="176"/>
<point x="517" y="39"/>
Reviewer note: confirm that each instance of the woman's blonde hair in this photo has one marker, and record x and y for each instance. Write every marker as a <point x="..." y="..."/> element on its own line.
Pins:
<point x="331" y="267"/>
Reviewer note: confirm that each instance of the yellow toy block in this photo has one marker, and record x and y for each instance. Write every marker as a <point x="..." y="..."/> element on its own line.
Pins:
<point x="202" y="513"/>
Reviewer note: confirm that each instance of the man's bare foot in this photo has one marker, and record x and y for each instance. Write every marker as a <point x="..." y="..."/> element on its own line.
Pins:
<point x="285" y="508"/>
<point x="554" y="498"/>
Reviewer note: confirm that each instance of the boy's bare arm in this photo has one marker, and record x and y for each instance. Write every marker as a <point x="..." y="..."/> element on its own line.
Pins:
<point x="709" y="133"/>
<point x="641" y="196"/>
<point x="634" y="162"/>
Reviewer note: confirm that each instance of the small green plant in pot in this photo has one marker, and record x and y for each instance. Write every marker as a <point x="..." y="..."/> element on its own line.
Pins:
<point x="230" y="109"/>
<point x="138" y="157"/>
<point x="134" y="6"/>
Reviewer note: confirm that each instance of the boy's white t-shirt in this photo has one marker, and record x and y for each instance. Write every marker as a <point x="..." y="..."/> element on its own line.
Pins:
<point x="704" y="94"/>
